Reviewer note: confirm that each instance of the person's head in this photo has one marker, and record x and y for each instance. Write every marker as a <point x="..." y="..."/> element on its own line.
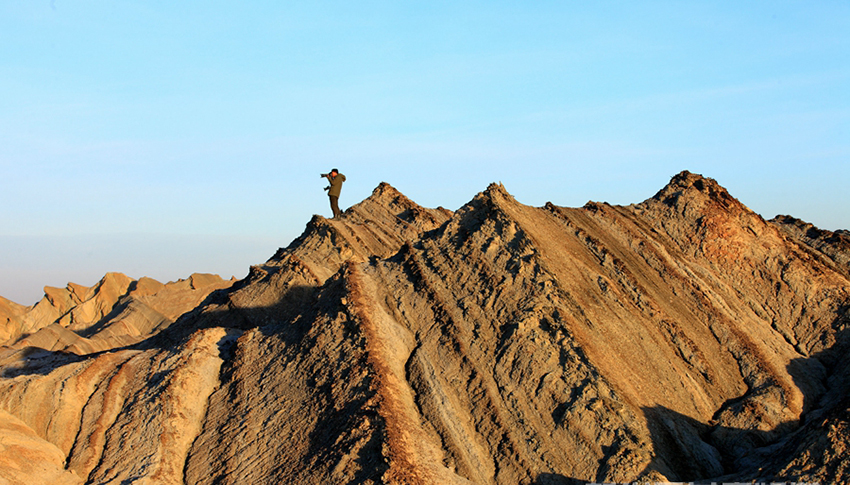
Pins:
<point x="334" y="172"/>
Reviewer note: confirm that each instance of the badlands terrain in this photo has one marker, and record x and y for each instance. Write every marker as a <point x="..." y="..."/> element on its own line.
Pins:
<point x="682" y="338"/>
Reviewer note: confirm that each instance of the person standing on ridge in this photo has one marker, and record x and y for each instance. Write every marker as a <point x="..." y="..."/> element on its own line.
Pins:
<point x="336" y="179"/>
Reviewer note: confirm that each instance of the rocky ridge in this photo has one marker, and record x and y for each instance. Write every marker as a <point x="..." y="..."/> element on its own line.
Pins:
<point x="682" y="338"/>
<point x="117" y="311"/>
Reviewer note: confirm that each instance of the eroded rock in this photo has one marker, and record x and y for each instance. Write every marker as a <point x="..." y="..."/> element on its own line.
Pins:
<point x="683" y="338"/>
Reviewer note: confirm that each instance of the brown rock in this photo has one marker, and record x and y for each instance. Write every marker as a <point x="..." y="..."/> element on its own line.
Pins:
<point x="116" y="312"/>
<point x="683" y="338"/>
<point x="11" y="319"/>
<point x="25" y="458"/>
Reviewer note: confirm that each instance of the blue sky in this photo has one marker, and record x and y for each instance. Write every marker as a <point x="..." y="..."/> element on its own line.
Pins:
<point x="164" y="138"/>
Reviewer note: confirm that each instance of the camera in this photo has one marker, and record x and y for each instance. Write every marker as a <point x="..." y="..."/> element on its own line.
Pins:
<point x="323" y="175"/>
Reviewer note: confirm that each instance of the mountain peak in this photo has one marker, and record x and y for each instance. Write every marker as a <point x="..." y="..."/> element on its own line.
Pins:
<point x="384" y="189"/>
<point x="686" y="180"/>
<point x="686" y="187"/>
<point x="385" y="202"/>
<point x="494" y="195"/>
<point x="497" y="191"/>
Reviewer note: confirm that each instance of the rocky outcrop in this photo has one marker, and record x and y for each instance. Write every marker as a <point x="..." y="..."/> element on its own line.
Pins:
<point x="25" y="457"/>
<point x="122" y="415"/>
<point x="11" y="319"/>
<point x="833" y="245"/>
<point x="116" y="312"/>
<point x="682" y="338"/>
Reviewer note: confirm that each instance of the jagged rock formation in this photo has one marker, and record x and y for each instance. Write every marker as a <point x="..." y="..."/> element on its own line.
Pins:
<point x="682" y="338"/>
<point x="834" y="245"/>
<point x="117" y="311"/>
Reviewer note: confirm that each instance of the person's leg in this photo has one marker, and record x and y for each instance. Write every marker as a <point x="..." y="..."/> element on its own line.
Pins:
<point x="335" y="205"/>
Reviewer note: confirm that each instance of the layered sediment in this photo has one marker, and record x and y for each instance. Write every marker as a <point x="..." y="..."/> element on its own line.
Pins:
<point x="682" y="338"/>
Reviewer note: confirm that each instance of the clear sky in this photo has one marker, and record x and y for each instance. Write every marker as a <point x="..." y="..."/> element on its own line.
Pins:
<point x="163" y="138"/>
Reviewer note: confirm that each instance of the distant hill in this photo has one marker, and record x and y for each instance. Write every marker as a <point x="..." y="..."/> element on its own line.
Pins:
<point x="683" y="338"/>
<point x="117" y="311"/>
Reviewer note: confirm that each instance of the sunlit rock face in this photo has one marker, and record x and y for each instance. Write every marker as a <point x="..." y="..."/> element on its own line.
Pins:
<point x="681" y="338"/>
